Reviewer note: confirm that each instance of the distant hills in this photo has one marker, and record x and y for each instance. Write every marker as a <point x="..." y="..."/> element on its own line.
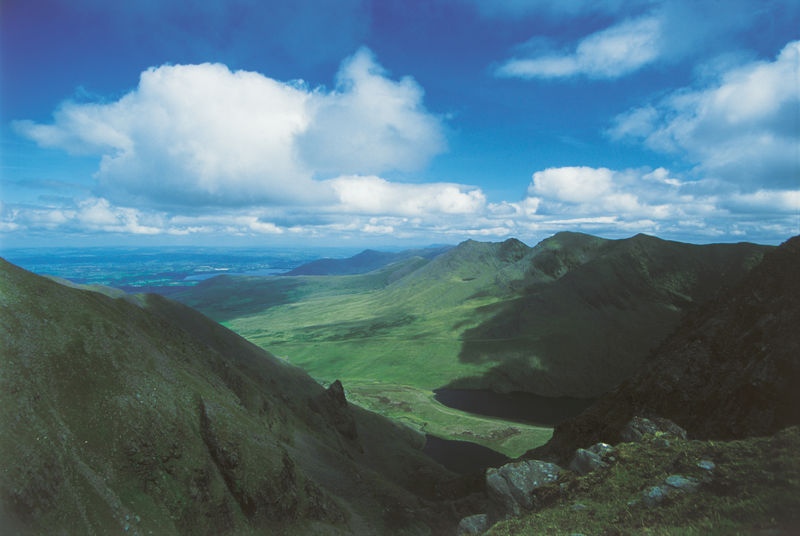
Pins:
<point x="138" y="415"/>
<point x="366" y="261"/>
<point x="730" y="369"/>
<point x="573" y="315"/>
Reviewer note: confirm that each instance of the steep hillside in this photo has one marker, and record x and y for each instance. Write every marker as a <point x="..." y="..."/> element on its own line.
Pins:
<point x="730" y="370"/>
<point x="138" y="415"/>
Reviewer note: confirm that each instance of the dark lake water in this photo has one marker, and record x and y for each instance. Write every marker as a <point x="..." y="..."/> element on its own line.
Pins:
<point x="462" y="457"/>
<point x="520" y="407"/>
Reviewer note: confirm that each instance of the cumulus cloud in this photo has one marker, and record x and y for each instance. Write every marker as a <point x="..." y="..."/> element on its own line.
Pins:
<point x="370" y="123"/>
<point x="609" y="53"/>
<point x="374" y="195"/>
<point x="743" y="128"/>
<point x="628" y="194"/>
<point x="204" y="135"/>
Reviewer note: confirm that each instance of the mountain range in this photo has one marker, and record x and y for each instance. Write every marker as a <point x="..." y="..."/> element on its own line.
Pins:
<point x="136" y="414"/>
<point x="574" y="315"/>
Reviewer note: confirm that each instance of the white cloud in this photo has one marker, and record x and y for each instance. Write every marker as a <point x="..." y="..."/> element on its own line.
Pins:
<point x="99" y="215"/>
<point x="741" y="129"/>
<point x="610" y="53"/>
<point x="641" y="34"/>
<point x="766" y="202"/>
<point x="596" y="200"/>
<point x="571" y="184"/>
<point x="203" y="135"/>
<point x="370" y="123"/>
<point x="374" y="195"/>
<point x="597" y="192"/>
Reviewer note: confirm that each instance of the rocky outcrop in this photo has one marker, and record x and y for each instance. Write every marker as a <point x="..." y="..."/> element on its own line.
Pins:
<point x="332" y="406"/>
<point x="511" y="487"/>
<point x="473" y="525"/>
<point x="585" y="461"/>
<point x="640" y="427"/>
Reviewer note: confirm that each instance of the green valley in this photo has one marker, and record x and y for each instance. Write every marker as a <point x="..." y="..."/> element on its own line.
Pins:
<point x="574" y="315"/>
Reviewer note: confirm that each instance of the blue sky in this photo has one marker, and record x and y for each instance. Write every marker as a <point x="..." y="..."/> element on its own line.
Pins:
<point x="360" y="122"/>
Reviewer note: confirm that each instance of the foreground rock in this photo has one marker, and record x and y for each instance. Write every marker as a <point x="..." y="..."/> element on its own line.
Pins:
<point x="747" y="486"/>
<point x="585" y="461"/>
<point x="473" y="525"/>
<point x="511" y="487"/>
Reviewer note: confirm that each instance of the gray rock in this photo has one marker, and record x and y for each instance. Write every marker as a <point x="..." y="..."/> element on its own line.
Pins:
<point x="578" y="507"/>
<point x="510" y="487"/>
<point x="473" y="525"/>
<point x="708" y="465"/>
<point x="639" y="427"/>
<point x="586" y="461"/>
<point x="654" y="496"/>
<point x="601" y="449"/>
<point x="681" y="483"/>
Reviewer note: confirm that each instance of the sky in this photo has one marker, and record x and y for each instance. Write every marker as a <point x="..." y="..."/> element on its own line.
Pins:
<point x="397" y="122"/>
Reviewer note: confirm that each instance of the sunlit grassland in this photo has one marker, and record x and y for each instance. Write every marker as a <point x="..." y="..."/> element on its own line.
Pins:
<point x="359" y="338"/>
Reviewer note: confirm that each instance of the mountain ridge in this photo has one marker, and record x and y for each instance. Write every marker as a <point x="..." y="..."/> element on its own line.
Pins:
<point x="481" y="315"/>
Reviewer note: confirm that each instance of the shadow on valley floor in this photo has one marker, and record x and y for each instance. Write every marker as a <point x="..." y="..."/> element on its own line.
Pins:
<point x="462" y="457"/>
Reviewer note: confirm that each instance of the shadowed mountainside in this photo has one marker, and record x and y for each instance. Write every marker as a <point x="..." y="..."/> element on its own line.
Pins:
<point x="140" y="415"/>
<point x="591" y="310"/>
<point x="730" y="370"/>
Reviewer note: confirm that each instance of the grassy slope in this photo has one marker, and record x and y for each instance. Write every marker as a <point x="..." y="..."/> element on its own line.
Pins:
<point x="146" y="416"/>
